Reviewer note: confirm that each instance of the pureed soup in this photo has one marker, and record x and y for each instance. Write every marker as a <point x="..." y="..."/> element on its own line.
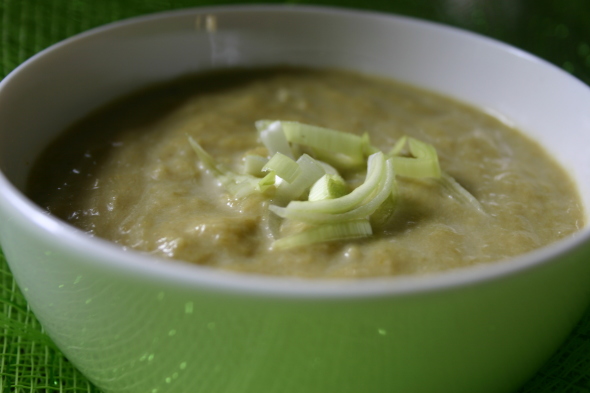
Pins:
<point x="128" y="173"/>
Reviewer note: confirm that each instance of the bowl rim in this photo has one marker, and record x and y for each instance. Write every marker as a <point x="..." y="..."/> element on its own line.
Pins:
<point x="114" y="257"/>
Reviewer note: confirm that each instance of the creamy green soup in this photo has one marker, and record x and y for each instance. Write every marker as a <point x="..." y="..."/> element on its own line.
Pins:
<point x="127" y="173"/>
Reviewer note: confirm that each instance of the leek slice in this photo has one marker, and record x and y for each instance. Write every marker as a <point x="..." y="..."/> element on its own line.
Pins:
<point x="341" y="161"/>
<point x="456" y="191"/>
<point x="311" y="171"/>
<point x="343" y="150"/>
<point x="424" y="162"/>
<point x="375" y="170"/>
<point x="284" y="167"/>
<point x="236" y="184"/>
<point x="254" y="163"/>
<point x="325" y="233"/>
<point x="386" y="188"/>
<point x="208" y="162"/>
<point x="266" y="182"/>
<point x="323" y="138"/>
<point x="398" y="147"/>
<point x="384" y="213"/>
<point x="273" y="137"/>
<point x="329" y="186"/>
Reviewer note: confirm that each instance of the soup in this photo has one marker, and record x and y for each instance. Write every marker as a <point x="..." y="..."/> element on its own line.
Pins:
<point x="128" y="174"/>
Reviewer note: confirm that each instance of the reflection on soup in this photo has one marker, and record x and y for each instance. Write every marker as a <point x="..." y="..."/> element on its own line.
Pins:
<point x="127" y="173"/>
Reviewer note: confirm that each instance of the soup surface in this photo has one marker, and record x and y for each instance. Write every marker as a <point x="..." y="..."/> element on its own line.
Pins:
<point x="127" y="173"/>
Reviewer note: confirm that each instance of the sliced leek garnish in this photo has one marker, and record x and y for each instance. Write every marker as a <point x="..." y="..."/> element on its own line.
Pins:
<point x="456" y="191"/>
<point x="325" y="233"/>
<point x="310" y="172"/>
<point x="253" y="164"/>
<point x="273" y="137"/>
<point x="310" y="192"/>
<point x="326" y="139"/>
<point x="239" y="185"/>
<point x="384" y="213"/>
<point x="266" y="182"/>
<point x="363" y="207"/>
<point x="423" y="163"/>
<point x="284" y="167"/>
<point x="346" y="203"/>
<point x="329" y="186"/>
<point x="398" y="146"/>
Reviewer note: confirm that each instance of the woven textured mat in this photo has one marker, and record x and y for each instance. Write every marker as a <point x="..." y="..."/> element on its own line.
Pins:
<point x="555" y="30"/>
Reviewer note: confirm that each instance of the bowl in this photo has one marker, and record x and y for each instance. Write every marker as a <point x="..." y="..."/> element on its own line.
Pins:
<point x="132" y="323"/>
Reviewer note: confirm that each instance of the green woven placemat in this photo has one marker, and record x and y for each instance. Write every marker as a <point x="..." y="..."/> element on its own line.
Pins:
<point x="557" y="30"/>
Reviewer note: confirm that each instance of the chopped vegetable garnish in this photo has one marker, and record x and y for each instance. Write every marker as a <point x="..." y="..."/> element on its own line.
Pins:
<point x="343" y="150"/>
<point x="328" y="187"/>
<point x="325" y="233"/>
<point x="310" y="172"/>
<point x="312" y="193"/>
<point x="253" y="164"/>
<point x="236" y="184"/>
<point x="334" y="212"/>
<point x="266" y="182"/>
<point x="375" y="171"/>
<point x="398" y="147"/>
<point x="284" y="167"/>
<point x="423" y="163"/>
<point x="334" y="142"/>
<point x="273" y="137"/>
<point x="455" y="190"/>
<point x="384" y="213"/>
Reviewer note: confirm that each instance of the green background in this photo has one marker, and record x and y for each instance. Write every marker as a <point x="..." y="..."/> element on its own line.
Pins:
<point x="558" y="31"/>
